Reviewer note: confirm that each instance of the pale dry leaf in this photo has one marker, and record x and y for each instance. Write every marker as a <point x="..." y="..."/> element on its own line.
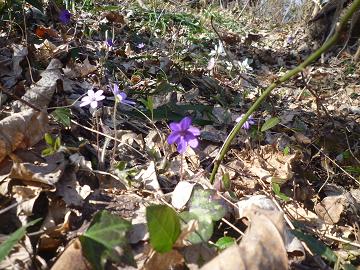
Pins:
<point x="292" y="244"/>
<point x="86" y="67"/>
<point x="305" y="216"/>
<point x="128" y="51"/>
<point x="80" y="162"/>
<point x="164" y="261"/>
<point x="20" y="52"/>
<point x="149" y="178"/>
<point x="21" y="130"/>
<point x="26" y="196"/>
<point x="40" y="94"/>
<point x="191" y="226"/>
<point x="211" y="64"/>
<point x="176" y="164"/>
<point x="261" y="248"/>
<point x="181" y="194"/>
<point x="301" y="138"/>
<point x="45" y="50"/>
<point x="269" y="164"/>
<point x="45" y="173"/>
<point x="138" y="231"/>
<point x="72" y="258"/>
<point x="331" y="208"/>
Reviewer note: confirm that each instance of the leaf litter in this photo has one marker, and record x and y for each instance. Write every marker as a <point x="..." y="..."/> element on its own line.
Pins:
<point x="111" y="192"/>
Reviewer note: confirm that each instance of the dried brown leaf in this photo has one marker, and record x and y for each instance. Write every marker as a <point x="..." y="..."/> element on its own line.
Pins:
<point x="21" y="130"/>
<point x="331" y="208"/>
<point x="72" y="258"/>
<point x="262" y="246"/>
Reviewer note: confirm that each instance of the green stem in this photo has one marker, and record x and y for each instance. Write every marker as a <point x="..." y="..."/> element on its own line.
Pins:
<point x="326" y="46"/>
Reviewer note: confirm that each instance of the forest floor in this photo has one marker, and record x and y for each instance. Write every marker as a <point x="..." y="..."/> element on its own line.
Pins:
<point x="88" y="179"/>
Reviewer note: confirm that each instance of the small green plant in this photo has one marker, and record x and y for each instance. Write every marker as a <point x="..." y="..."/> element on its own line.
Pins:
<point x="105" y="233"/>
<point x="124" y="173"/>
<point x="14" y="238"/>
<point x="53" y="145"/>
<point x="149" y="105"/>
<point x="287" y="150"/>
<point x="225" y="242"/>
<point x="278" y="193"/>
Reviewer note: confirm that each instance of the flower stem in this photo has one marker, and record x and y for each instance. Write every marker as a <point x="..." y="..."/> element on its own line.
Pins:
<point x="115" y="130"/>
<point x="326" y="46"/>
<point x="181" y="166"/>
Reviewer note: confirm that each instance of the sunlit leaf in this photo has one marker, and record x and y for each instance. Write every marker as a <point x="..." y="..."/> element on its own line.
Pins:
<point x="225" y="242"/>
<point x="57" y="144"/>
<point x="47" y="152"/>
<point x="276" y="189"/>
<point x="164" y="227"/>
<point x="62" y="115"/>
<point x="48" y="139"/>
<point x="204" y="203"/>
<point x="205" y="227"/>
<point x="105" y="232"/>
<point x="270" y="123"/>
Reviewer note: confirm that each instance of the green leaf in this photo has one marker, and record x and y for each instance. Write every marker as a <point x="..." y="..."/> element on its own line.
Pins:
<point x="57" y="144"/>
<point x="62" y="115"/>
<point x="105" y="233"/>
<point x="48" y="139"/>
<point x="225" y="242"/>
<point x="316" y="246"/>
<point x="286" y="150"/>
<point x="203" y="203"/>
<point x="205" y="227"/>
<point x="276" y="189"/>
<point x="36" y="3"/>
<point x="15" y="237"/>
<point x="270" y="123"/>
<point x="150" y="106"/>
<point x="226" y="181"/>
<point x="164" y="227"/>
<point x="47" y="152"/>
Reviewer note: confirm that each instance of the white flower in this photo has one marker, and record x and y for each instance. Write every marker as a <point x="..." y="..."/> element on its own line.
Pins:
<point x="218" y="51"/>
<point x="92" y="98"/>
<point x="244" y="65"/>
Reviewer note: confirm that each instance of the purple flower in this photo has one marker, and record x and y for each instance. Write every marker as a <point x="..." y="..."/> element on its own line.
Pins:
<point x="183" y="134"/>
<point x="110" y="42"/>
<point x="92" y="98"/>
<point x="250" y="121"/>
<point x="121" y="96"/>
<point x="65" y="16"/>
<point x="140" y="45"/>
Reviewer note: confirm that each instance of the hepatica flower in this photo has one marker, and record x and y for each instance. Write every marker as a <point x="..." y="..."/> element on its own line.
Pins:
<point x="92" y="98"/>
<point x="110" y="42"/>
<point x="183" y="134"/>
<point x="65" y="16"/>
<point x="140" y="46"/>
<point x="121" y="96"/>
<point x="249" y="122"/>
